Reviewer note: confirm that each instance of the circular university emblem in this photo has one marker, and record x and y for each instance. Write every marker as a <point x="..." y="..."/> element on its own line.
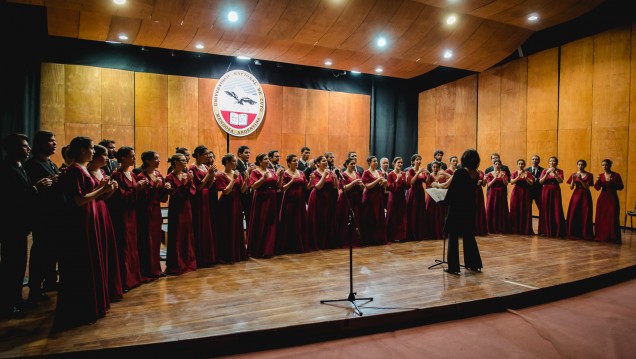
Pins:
<point x="238" y="103"/>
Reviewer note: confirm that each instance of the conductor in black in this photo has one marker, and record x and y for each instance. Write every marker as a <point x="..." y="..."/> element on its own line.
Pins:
<point x="460" y="217"/>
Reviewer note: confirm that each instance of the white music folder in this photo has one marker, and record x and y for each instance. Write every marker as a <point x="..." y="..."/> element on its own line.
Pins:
<point x="437" y="194"/>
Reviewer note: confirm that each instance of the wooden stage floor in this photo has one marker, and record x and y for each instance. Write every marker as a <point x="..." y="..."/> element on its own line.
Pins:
<point x="276" y="302"/>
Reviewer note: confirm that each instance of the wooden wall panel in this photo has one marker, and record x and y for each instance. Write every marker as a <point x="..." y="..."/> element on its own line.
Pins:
<point x="52" y="105"/>
<point x="514" y="85"/>
<point x="118" y="100"/>
<point x="83" y="94"/>
<point x="210" y="134"/>
<point x="427" y="124"/>
<point x="339" y="117"/>
<point x="445" y="119"/>
<point x="466" y="114"/>
<point x="630" y="175"/>
<point x="543" y="104"/>
<point x="317" y="126"/>
<point x="294" y="120"/>
<point x="151" y="116"/>
<point x="610" y="112"/>
<point x="183" y="122"/>
<point x="360" y="125"/>
<point x="489" y="115"/>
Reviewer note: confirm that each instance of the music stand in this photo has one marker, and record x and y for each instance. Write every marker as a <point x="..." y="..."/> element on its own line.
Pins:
<point x="351" y="223"/>
<point x="438" y="195"/>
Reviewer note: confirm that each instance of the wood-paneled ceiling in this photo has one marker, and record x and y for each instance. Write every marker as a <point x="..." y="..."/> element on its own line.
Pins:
<point x="309" y="32"/>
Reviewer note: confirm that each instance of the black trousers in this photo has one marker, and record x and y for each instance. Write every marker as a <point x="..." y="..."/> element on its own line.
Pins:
<point x="472" y="259"/>
<point x="13" y="260"/>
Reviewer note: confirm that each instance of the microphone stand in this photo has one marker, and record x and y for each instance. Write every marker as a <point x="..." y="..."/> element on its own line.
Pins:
<point x="351" y="223"/>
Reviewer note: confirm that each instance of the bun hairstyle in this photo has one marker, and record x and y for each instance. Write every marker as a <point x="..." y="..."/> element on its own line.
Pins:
<point x="175" y="158"/>
<point x="77" y="145"/>
<point x="370" y="159"/>
<point x="147" y="156"/>
<point x="290" y="158"/>
<point x="123" y="152"/>
<point x="470" y="159"/>
<point x="259" y="158"/>
<point x="398" y="159"/>
<point x="347" y="161"/>
<point x="227" y="158"/>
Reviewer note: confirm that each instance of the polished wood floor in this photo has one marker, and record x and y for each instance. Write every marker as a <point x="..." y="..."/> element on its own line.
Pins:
<point x="286" y="291"/>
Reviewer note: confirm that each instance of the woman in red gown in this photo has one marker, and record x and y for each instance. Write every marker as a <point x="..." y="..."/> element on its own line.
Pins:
<point x="105" y="225"/>
<point x="292" y="225"/>
<point x="396" y="228"/>
<point x="580" y="220"/>
<point x="435" y="211"/>
<point x="607" y="225"/>
<point x="520" y="202"/>
<point x="83" y="292"/>
<point x="204" y="232"/>
<point x="374" y="221"/>
<point x="261" y="232"/>
<point x="497" y="200"/>
<point x="452" y="162"/>
<point x="416" y="200"/>
<point x="230" y="212"/>
<point x="350" y="197"/>
<point x="180" y="254"/>
<point x="481" y="220"/>
<point x="551" y="219"/>
<point x="321" y="208"/>
<point x="123" y="210"/>
<point x="149" y="218"/>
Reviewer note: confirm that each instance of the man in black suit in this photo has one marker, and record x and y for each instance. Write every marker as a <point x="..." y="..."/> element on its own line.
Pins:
<point x="354" y="155"/>
<point x="245" y="168"/>
<point x="50" y="210"/>
<point x="274" y="160"/>
<point x="495" y="157"/>
<point x="304" y="160"/>
<point x="111" y="164"/>
<point x="535" y="191"/>
<point x="18" y="196"/>
<point x="437" y="155"/>
<point x="331" y="158"/>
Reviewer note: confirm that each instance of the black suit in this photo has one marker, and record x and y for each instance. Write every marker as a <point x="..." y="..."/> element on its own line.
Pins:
<point x="302" y="165"/>
<point x="50" y="210"/>
<point x="111" y="165"/>
<point x="18" y="196"/>
<point x="535" y="191"/>
<point x="246" y="198"/>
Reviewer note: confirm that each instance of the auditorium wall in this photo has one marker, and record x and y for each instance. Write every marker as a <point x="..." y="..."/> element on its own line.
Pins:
<point x="161" y="112"/>
<point x="577" y="101"/>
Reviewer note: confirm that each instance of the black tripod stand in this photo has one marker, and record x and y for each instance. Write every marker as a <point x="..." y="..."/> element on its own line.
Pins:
<point x="443" y="261"/>
<point x="351" y="223"/>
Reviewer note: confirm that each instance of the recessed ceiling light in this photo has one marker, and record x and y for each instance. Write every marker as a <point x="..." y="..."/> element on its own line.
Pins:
<point x="355" y="72"/>
<point x="243" y="57"/>
<point x="451" y="19"/>
<point x="533" y="17"/>
<point x="199" y="46"/>
<point x="123" y="37"/>
<point x="379" y="69"/>
<point x="232" y="16"/>
<point x="448" y="54"/>
<point x="381" y="42"/>
<point x="119" y="2"/>
<point x="328" y="62"/>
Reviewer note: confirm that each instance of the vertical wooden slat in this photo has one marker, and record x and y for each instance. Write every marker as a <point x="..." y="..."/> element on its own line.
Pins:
<point x="294" y="119"/>
<point x="210" y="134"/>
<point x="118" y="99"/>
<point x="466" y="114"/>
<point x="631" y="153"/>
<point x="183" y="123"/>
<point x="514" y="87"/>
<point x="427" y="124"/>
<point x="489" y="115"/>
<point x="151" y="116"/>
<point x="52" y="106"/>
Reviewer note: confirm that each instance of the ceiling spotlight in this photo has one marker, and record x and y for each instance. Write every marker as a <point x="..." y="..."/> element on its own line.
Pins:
<point x="451" y="19"/>
<point x="243" y="58"/>
<point x="381" y="42"/>
<point x="448" y="54"/>
<point x="533" y="17"/>
<point x="379" y="70"/>
<point x="328" y="62"/>
<point x="232" y="16"/>
<point x="199" y="46"/>
<point x="119" y="2"/>
<point x="123" y="37"/>
<point x="355" y="72"/>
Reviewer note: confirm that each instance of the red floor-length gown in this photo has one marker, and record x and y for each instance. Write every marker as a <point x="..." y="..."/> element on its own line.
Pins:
<point x="123" y="211"/>
<point x="374" y="221"/>
<point x="350" y="199"/>
<point x="497" y="205"/>
<point x="481" y="220"/>
<point x="292" y="225"/>
<point x="435" y="214"/>
<point x="149" y="222"/>
<point x="416" y="208"/>
<point x="321" y="214"/>
<point x="231" y="235"/>
<point x="551" y="218"/>
<point x="261" y="232"/>
<point x="204" y="232"/>
<point x="580" y="221"/>
<point x="607" y="223"/>
<point x="520" y="206"/>
<point x="180" y="254"/>
<point x="396" y="223"/>
<point x="83" y="293"/>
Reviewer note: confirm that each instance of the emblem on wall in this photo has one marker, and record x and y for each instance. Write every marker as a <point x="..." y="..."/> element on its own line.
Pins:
<point x="238" y="103"/>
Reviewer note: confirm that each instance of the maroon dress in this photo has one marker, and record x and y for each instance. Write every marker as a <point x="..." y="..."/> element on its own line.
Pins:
<point x="204" y="233"/>
<point x="607" y="224"/>
<point x="231" y="235"/>
<point x="261" y="233"/>
<point x="520" y="206"/>
<point x="354" y="196"/>
<point x="292" y="225"/>
<point x="481" y="220"/>
<point x="396" y="228"/>
<point x="435" y="214"/>
<point x="497" y="205"/>
<point x="321" y="214"/>
<point x="149" y="222"/>
<point x="551" y="219"/>
<point x="374" y="221"/>
<point x="123" y="210"/>
<point x="112" y="266"/>
<point x="580" y="220"/>
<point x="180" y="254"/>
<point x="83" y="293"/>
<point x="416" y="208"/>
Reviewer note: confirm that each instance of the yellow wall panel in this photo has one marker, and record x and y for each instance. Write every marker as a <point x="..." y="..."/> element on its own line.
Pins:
<point x="83" y="94"/>
<point x="183" y="123"/>
<point x="466" y="113"/>
<point x="543" y="102"/>
<point x="151" y="117"/>
<point x="514" y="84"/>
<point x="118" y="97"/>
<point x="210" y="134"/>
<point x="630" y="175"/>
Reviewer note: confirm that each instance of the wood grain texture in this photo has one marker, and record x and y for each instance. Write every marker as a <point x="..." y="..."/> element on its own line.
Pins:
<point x="631" y="153"/>
<point x="82" y="97"/>
<point x="543" y="104"/>
<point x="151" y="116"/>
<point x="514" y="100"/>
<point x="489" y="114"/>
<point x="183" y="123"/>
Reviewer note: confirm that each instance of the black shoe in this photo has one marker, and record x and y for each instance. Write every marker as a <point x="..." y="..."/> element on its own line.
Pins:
<point x="452" y="272"/>
<point x="475" y="269"/>
<point x="14" y="313"/>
